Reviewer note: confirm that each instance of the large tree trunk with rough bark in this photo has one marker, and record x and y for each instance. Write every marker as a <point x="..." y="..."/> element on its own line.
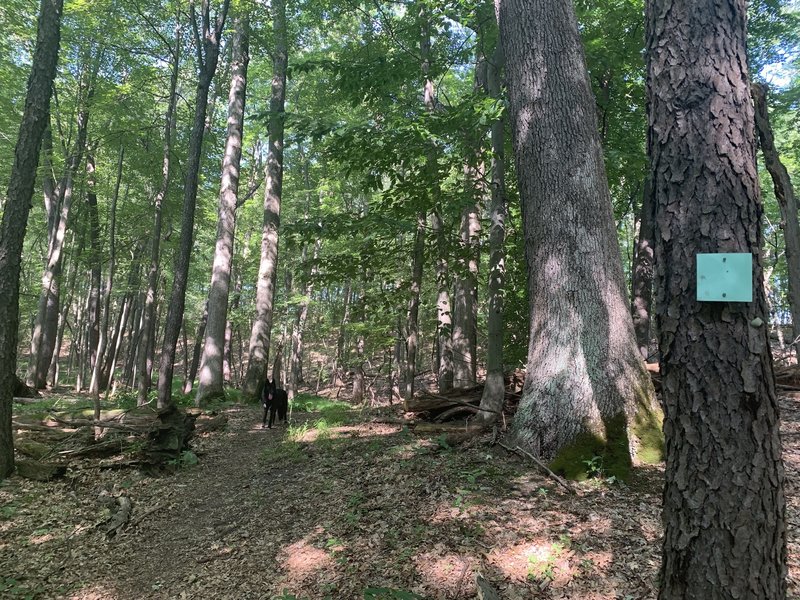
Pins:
<point x="268" y="266"/>
<point x="146" y="334"/>
<point x="17" y="207"/>
<point x="494" y="388"/>
<point x="724" y="508"/>
<point x="787" y="201"/>
<point x="586" y="390"/>
<point x="211" y="383"/>
<point x="207" y="40"/>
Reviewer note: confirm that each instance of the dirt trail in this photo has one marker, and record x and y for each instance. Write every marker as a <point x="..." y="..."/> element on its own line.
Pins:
<point x="337" y="511"/>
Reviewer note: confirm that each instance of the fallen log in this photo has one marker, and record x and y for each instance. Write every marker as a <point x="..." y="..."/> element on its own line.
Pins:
<point x="209" y="423"/>
<point x="39" y="471"/>
<point x="99" y="450"/>
<point x="36" y="450"/>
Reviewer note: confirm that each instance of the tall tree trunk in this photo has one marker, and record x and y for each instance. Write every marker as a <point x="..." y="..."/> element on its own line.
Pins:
<point x="258" y="354"/>
<point x="787" y="201"/>
<point x="96" y="384"/>
<point x="63" y="319"/>
<point x="146" y="342"/>
<point x="207" y="57"/>
<point x="46" y="328"/>
<point x="412" y="314"/>
<point x="341" y="338"/>
<point x="494" y="388"/>
<point x="93" y="314"/>
<point x="17" y="207"/>
<point x="211" y="382"/>
<point x="642" y="277"/>
<point x="586" y="390"/>
<point x="465" y="295"/>
<point x="298" y="329"/>
<point x="465" y="289"/>
<point x="199" y="336"/>
<point x="724" y="509"/>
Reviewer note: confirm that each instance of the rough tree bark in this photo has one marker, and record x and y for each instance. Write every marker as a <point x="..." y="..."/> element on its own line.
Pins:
<point x="17" y="207"/>
<point x="268" y="267"/>
<point x="146" y="337"/>
<point x="207" y="43"/>
<point x="211" y="383"/>
<point x="787" y="201"/>
<point x="586" y="390"/>
<point x="724" y="508"/>
<point x="93" y="313"/>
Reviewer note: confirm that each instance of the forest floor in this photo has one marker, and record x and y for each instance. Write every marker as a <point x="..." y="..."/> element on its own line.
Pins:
<point x="339" y="506"/>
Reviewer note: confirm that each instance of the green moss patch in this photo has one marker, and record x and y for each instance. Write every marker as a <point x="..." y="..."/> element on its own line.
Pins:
<point x="592" y="455"/>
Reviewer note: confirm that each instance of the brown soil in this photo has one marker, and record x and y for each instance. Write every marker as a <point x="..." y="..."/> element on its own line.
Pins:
<point x="338" y="510"/>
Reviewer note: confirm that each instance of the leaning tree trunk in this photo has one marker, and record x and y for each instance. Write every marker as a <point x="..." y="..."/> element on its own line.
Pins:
<point x="17" y="207"/>
<point x="494" y="388"/>
<point x="208" y="44"/>
<point x="268" y="267"/>
<point x="46" y="328"/>
<point x="146" y="335"/>
<point x="211" y="382"/>
<point x="724" y="509"/>
<point x="787" y="201"/>
<point x="586" y="390"/>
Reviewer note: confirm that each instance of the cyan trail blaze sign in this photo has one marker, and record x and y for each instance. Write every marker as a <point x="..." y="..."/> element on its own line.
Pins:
<point x="725" y="277"/>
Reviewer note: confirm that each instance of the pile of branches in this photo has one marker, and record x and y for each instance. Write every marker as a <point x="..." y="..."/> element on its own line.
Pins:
<point x="142" y="437"/>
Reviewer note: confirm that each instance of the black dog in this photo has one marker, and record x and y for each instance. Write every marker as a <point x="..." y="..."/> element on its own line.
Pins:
<point x="274" y="400"/>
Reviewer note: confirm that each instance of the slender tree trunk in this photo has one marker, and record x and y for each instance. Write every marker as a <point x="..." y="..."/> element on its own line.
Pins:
<point x="787" y="201"/>
<point x="586" y="390"/>
<point x="341" y="358"/>
<point x="642" y="277"/>
<point x="46" y="328"/>
<point x="93" y="314"/>
<point x="146" y="342"/>
<point x="412" y="315"/>
<point x="494" y="388"/>
<point x="724" y="509"/>
<point x="17" y="207"/>
<point x="63" y="319"/>
<point x="199" y="336"/>
<point x="296" y="370"/>
<point x="95" y="384"/>
<point x="258" y="353"/>
<point x="211" y="383"/>
<point x="207" y="59"/>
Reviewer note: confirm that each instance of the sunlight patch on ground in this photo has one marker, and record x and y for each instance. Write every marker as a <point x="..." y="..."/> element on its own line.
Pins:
<point x="449" y="573"/>
<point x="302" y="560"/>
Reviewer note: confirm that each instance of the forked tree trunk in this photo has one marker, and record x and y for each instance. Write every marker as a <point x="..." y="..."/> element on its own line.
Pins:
<point x="46" y="328"/>
<point x="787" y="202"/>
<point x="17" y="207"/>
<point x="211" y="383"/>
<point x="494" y="388"/>
<point x="586" y="390"/>
<point x="724" y="508"/>
<point x="258" y="353"/>
<point x="146" y="334"/>
<point x="207" y="39"/>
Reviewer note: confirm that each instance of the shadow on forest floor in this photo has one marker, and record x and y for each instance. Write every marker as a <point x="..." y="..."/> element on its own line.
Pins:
<point x="331" y="506"/>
